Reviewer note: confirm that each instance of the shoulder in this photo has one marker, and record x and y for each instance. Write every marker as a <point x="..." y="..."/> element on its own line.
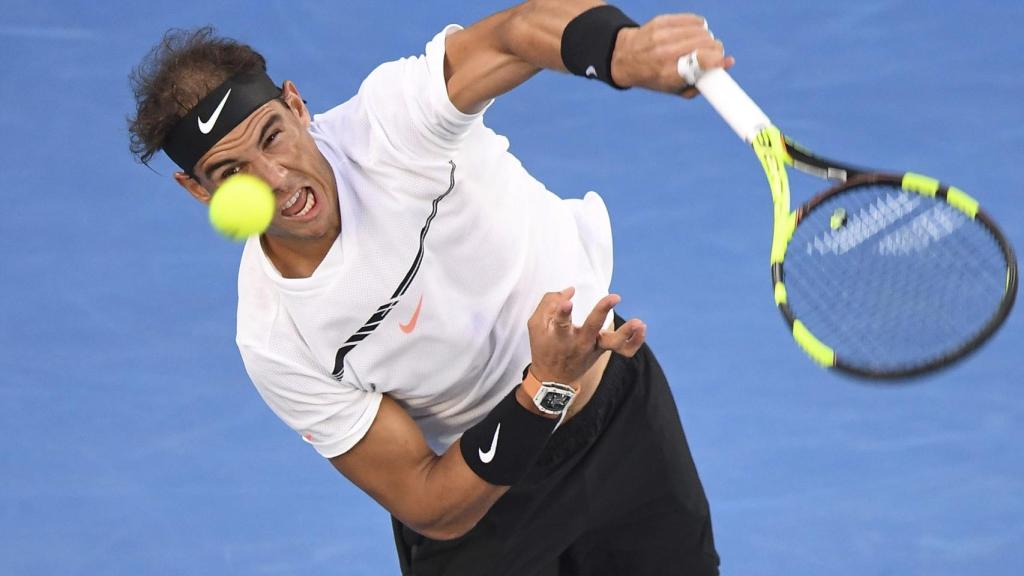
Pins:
<point x="406" y="102"/>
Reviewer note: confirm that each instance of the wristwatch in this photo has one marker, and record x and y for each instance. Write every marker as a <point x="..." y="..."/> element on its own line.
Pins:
<point x="548" y="397"/>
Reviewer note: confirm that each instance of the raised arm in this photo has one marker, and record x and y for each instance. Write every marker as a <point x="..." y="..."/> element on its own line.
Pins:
<point x="502" y="51"/>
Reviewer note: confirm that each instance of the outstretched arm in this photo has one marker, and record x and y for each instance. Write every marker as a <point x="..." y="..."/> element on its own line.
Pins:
<point x="502" y="51"/>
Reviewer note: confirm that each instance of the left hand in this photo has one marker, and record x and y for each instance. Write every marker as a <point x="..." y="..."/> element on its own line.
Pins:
<point x="562" y="352"/>
<point x="647" y="56"/>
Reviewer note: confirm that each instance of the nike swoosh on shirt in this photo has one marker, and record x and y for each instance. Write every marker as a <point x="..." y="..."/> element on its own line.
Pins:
<point x="407" y="328"/>
<point x="486" y="457"/>
<point x="206" y="127"/>
<point x="384" y="309"/>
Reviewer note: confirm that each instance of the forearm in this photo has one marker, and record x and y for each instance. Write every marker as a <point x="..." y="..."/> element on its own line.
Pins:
<point x="504" y="50"/>
<point x="640" y="55"/>
<point x="456" y="498"/>
<point x="440" y="497"/>
<point x="534" y="31"/>
<point x="451" y="498"/>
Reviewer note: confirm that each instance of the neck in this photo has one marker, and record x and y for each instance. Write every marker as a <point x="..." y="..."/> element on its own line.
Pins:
<point x="295" y="257"/>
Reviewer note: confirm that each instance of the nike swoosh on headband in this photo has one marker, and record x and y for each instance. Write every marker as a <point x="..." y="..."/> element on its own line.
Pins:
<point x="206" y="127"/>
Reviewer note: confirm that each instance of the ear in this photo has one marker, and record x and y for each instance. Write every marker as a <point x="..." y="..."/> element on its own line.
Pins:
<point x="193" y="186"/>
<point x="295" y="103"/>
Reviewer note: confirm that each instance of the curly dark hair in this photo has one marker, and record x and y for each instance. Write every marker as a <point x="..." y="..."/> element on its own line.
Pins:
<point x="175" y="75"/>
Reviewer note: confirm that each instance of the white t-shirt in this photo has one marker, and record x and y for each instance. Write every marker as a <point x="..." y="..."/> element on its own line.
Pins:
<point x="447" y="245"/>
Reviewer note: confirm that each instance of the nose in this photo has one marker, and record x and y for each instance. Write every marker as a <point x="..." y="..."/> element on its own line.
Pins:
<point x="273" y="173"/>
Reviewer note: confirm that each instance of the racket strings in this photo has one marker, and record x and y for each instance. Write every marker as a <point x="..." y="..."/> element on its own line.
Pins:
<point x="899" y="280"/>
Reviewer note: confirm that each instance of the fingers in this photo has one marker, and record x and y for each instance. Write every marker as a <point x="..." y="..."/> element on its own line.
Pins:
<point x="596" y="319"/>
<point x="714" y="57"/>
<point x="687" y="20"/>
<point x="706" y="62"/>
<point x="680" y="35"/>
<point x="711" y="56"/>
<point x="555" y="310"/>
<point x="682" y="41"/>
<point x="554" y="316"/>
<point x="561" y="315"/>
<point x="626" y="341"/>
<point x="709" y="53"/>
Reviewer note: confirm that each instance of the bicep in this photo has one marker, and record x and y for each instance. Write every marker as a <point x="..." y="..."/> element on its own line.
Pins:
<point x="438" y="496"/>
<point x="382" y="449"/>
<point x="390" y="462"/>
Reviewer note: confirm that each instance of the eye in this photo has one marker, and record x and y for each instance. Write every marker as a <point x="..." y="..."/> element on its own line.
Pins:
<point x="272" y="138"/>
<point x="230" y="172"/>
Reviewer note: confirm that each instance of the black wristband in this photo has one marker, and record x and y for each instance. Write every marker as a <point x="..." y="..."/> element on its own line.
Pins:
<point x="589" y="40"/>
<point x="502" y="446"/>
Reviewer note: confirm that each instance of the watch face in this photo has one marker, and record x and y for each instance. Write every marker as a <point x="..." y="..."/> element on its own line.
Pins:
<point x="555" y="401"/>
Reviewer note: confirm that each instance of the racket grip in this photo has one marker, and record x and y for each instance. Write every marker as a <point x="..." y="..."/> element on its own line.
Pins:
<point x="732" y="103"/>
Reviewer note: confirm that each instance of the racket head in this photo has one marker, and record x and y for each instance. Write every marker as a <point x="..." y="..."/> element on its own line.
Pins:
<point x="891" y="276"/>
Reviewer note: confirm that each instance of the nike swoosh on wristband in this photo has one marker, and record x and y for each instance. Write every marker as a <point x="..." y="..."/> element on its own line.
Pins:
<point x="486" y="457"/>
<point x="206" y="127"/>
<point x="407" y="328"/>
<point x="591" y="72"/>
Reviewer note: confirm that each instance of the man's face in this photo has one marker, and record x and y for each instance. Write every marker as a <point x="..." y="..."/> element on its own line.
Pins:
<point x="274" y="143"/>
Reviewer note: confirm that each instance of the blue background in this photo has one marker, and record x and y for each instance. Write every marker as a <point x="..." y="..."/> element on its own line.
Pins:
<point x="131" y="441"/>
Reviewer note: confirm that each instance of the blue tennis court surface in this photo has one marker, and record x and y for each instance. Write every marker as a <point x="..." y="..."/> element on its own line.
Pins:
<point x="132" y="442"/>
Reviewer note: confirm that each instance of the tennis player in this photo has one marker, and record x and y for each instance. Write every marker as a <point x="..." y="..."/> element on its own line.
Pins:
<point x="427" y="315"/>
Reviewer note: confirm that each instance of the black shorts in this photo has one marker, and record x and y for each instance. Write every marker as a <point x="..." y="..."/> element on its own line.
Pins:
<point x="615" y="492"/>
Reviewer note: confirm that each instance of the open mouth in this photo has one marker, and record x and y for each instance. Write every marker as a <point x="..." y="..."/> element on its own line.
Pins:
<point x="300" y="204"/>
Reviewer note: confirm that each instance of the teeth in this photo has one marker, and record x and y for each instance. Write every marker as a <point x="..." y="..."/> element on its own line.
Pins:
<point x="291" y="201"/>
<point x="310" y="202"/>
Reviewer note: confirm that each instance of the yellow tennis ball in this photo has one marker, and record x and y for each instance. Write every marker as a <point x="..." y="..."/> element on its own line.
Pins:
<point x="242" y="206"/>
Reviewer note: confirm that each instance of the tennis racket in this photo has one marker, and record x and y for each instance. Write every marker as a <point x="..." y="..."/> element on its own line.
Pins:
<point x="882" y="275"/>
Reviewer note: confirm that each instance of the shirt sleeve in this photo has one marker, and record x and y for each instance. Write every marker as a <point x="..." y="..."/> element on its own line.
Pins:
<point x="332" y="416"/>
<point x="407" y="100"/>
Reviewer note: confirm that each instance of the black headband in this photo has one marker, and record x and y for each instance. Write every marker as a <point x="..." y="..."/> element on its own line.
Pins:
<point x="216" y="115"/>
